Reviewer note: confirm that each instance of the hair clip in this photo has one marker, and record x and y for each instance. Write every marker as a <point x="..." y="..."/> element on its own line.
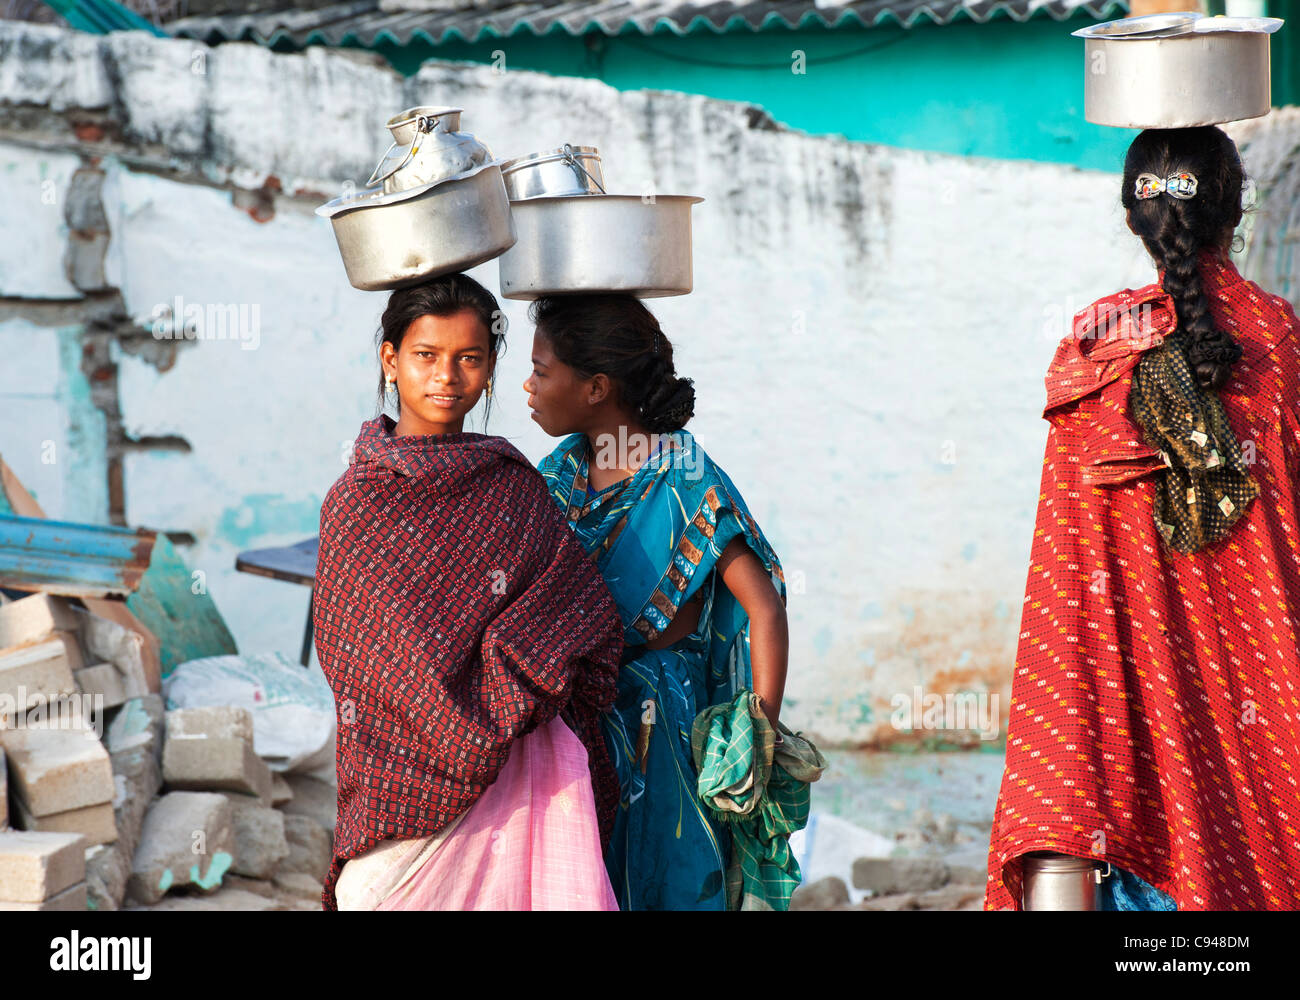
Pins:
<point x="1181" y="185"/>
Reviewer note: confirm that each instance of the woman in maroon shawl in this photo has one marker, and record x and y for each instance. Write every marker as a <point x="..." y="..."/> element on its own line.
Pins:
<point x="1154" y="719"/>
<point x="470" y="643"/>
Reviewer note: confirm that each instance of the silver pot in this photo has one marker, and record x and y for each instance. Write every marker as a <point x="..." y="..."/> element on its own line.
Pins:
<point x="427" y="147"/>
<point x="395" y="240"/>
<point x="563" y="171"/>
<point x="600" y="243"/>
<point x="1176" y="70"/>
<point x="1060" y="882"/>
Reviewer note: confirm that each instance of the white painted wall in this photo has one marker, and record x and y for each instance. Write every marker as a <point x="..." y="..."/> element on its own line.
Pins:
<point x="860" y="314"/>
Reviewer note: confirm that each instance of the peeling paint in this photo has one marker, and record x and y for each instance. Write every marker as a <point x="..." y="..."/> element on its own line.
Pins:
<point x="221" y="862"/>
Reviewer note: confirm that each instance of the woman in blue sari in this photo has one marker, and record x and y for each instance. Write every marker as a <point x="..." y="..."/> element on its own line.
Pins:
<point x="700" y="592"/>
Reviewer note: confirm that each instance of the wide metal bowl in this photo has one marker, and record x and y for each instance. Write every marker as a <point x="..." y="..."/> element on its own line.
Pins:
<point x="399" y="239"/>
<point x="1177" y="70"/>
<point x="600" y="243"/>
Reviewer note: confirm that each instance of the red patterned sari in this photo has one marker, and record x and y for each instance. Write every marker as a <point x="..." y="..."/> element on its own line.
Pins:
<point x="1155" y="716"/>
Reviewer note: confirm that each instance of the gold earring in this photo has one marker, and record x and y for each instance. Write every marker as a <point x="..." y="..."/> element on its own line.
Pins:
<point x="489" y="389"/>
<point x="389" y="383"/>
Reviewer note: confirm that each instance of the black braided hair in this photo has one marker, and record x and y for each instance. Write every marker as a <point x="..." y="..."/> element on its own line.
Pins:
<point x="616" y="335"/>
<point x="1174" y="230"/>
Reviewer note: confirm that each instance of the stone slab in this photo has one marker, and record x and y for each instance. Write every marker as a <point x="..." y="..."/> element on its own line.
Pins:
<point x="33" y="673"/>
<point x="55" y="770"/>
<point x="95" y="823"/>
<point x="215" y="763"/>
<point x="102" y="680"/>
<point x="71" y="899"/>
<point x="36" y="866"/>
<point x="35" y="617"/>
<point x="107" y="868"/>
<point x="187" y="840"/>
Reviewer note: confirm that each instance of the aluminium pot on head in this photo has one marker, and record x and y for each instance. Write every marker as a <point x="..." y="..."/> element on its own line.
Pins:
<point x="1178" y="70"/>
<point x="600" y="244"/>
<point x="394" y="240"/>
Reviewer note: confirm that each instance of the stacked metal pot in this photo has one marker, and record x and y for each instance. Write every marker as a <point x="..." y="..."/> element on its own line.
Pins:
<point x="438" y="202"/>
<point x="1176" y="70"/>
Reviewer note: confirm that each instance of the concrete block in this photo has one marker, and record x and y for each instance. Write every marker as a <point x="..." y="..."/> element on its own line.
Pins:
<point x="109" y="642"/>
<point x="95" y="823"/>
<point x="137" y="781"/>
<point x="101" y="680"/>
<point x="35" y="617"/>
<point x="240" y="900"/>
<point x="107" y="868"/>
<point x="70" y="899"/>
<point x="33" y="673"/>
<point x="242" y="798"/>
<point x="72" y="647"/>
<point x="313" y="797"/>
<point x="225" y="722"/>
<point x="187" y="840"/>
<point x="281" y="790"/>
<point x="55" y="770"/>
<point x="310" y="847"/>
<point x="139" y="722"/>
<point x="36" y="866"/>
<point x="887" y="876"/>
<point x="824" y="894"/>
<point x="260" y="842"/>
<point x="298" y="884"/>
<point x="205" y="762"/>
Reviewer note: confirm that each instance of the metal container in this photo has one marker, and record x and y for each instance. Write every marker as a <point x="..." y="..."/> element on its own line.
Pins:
<point x="1060" y="882"/>
<point x="427" y="147"/>
<point x="588" y="244"/>
<point x="395" y="240"/>
<point x="1176" y="70"/>
<point x="556" y="172"/>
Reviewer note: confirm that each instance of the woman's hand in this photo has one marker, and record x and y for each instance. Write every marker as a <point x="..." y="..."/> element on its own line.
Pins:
<point x="769" y="633"/>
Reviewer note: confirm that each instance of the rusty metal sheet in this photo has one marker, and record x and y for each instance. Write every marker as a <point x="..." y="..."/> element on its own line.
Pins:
<point x="74" y="560"/>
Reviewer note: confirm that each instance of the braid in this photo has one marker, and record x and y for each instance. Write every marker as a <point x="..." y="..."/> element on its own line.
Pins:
<point x="1175" y="231"/>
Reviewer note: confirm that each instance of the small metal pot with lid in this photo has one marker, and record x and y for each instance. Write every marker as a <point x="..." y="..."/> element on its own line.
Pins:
<point x="1176" y="70"/>
<point x="427" y="147"/>
<point x="568" y="170"/>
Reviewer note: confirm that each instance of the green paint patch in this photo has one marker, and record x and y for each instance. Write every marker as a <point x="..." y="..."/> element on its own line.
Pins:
<point x="165" y="882"/>
<point x="132" y="717"/>
<point x="221" y="862"/>
<point x="187" y="624"/>
<point x="265" y="514"/>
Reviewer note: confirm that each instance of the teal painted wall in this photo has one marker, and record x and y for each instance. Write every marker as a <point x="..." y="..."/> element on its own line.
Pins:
<point x="1002" y="89"/>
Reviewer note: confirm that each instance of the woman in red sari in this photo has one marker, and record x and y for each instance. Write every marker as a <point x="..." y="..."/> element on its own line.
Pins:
<point x="1155" y="715"/>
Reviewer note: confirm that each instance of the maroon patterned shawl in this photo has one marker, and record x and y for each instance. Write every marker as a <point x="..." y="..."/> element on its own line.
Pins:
<point x="454" y="612"/>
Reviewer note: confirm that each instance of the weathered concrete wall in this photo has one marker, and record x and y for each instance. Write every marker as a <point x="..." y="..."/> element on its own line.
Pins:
<point x="868" y="334"/>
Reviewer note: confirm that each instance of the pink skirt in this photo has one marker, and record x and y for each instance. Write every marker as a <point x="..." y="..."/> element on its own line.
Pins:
<point x="530" y="842"/>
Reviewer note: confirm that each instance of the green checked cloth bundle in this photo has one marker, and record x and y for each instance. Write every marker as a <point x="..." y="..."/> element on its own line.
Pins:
<point x="761" y="790"/>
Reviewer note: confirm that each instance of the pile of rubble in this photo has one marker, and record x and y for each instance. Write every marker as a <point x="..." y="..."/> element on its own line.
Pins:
<point x="904" y="883"/>
<point x="118" y="803"/>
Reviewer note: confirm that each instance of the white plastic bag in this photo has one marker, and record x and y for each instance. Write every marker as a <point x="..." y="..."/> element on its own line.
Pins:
<point x="292" y="707"/>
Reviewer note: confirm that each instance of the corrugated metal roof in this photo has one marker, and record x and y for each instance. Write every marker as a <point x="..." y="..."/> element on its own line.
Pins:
<point x="364" y="22"/>
<point x="76" y="560"/>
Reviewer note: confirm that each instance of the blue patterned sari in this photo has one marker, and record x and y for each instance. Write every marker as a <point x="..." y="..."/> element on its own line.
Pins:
<point x="656" y="539"/>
